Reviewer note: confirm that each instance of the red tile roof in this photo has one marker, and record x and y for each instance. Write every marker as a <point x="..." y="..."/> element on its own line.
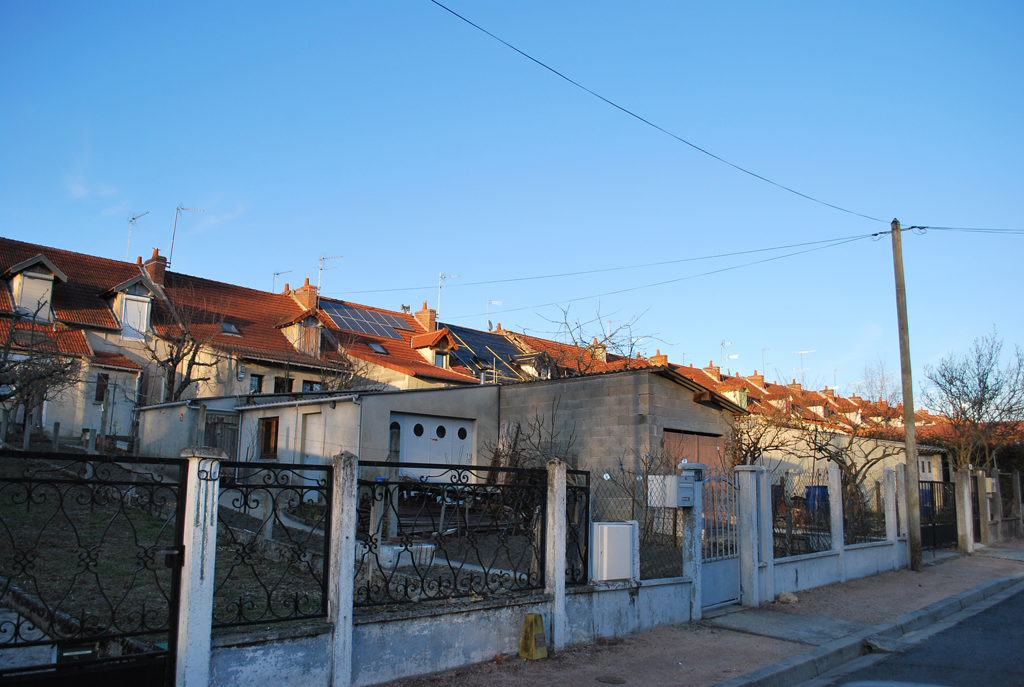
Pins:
<point x="114" y="360"/>
<point x="59" y="339"/>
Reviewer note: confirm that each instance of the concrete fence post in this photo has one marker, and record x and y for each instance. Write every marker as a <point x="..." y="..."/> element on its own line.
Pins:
<point x="889" y="496"/>
<point x="835" y="509"/>
<point x="693" y="531"/>
<point x="984" y="507"/>
<point x="746" y="477"/>
<point x="195" y="611"/>
<point x="964" y="511"/>
<point x="341" y="585"/>
<point x="554" y="555"/>
<point x="766" y="534"/>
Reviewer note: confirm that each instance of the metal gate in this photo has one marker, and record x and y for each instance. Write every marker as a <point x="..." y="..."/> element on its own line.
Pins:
<point x="90" y="569"/>
<point x="938" y="514"/>
<point x="720" y="559"/>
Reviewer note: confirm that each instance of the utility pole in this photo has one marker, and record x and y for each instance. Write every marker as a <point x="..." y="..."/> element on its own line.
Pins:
<point x="909" y="428"/>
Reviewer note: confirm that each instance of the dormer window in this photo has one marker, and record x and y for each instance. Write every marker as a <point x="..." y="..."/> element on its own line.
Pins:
<point x="134" y="317"/>
<point x="229" y="328"/>
<point x="32" y="286"/>
<point x="440" y="359"/>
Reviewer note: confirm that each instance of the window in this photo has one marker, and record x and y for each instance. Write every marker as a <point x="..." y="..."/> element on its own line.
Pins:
<point x="229" y="328"/>
<point x="33" y="294"/>
<point x="309" y="385"/>
<point x="462" y="433"/>
<point x="418" y="430"/>
<point x="102" y="382"/>
<point x="395" y="443"/>
<point x="283" y="385"/>
<point x="134" y="317"/>
<point x="268" y="438"/>
<point x="926" y="467"/>
<point x="441" y="431"/>
<point x="255" y="384"/>
<point x="441" y="359"/>
<point x="377" y="348"/>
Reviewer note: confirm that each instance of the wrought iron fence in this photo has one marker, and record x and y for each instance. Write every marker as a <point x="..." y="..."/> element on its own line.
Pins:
<point x="1006" y="493"/>
<point x="938" y="514"/>
<point x="577" y="536"/>
<point x="436" y="532"/>
<point x="89" y="552"/>
<point x="863" y="512"/>
<point x="273" y="532"/>
<point x="622" y="496"/>
<point x="801" y="513"/>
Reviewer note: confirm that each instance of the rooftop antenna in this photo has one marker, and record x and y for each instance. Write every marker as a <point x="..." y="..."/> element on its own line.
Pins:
<point x="802" y="368"/>
<point x="489" y="304"/>
<point x="131" y="221"/>
<point x="608" y="329"/>
<point x="835" y="376"/>
<point x="174" y="231"/>
<point x="320" y="270"/>
<point x="764" y="366"/>
<point x="273" y="288"/>
<point x="735" y="356"/>
<point x="721" y="361"/>
<point x="441" y="277"/>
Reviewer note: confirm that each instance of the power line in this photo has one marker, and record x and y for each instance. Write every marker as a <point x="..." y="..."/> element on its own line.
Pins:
<point x="673" y="281"/>
<point x="617" y="269"/>
<point x="973" y="230"/>
<point x="652" y="124"/>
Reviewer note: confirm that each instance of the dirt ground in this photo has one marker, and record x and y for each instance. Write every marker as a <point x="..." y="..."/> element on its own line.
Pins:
<point x="697" y="656"/>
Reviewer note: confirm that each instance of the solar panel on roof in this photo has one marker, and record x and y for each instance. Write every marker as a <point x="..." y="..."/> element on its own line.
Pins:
<point x="365" y="321"/>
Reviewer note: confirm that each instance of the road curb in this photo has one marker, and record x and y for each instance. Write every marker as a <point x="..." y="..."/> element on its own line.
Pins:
<point x="821" y="659"/>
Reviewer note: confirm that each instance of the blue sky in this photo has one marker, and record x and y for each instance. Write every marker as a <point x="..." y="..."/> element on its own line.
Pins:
<point x="412" y="144"/>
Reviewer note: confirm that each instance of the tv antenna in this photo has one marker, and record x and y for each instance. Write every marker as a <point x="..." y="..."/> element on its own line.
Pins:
<point x="320" y="270"/>
<point x="174" y="231"/>
<point x="273" y="288"/>
<point x="489" y="304"/>
<point x="131" y="221"/>
<point x="764" y="365"/>
<point x="441" y="277"/>
<point x="721" y="361"/>
<point x="802" y="368"/>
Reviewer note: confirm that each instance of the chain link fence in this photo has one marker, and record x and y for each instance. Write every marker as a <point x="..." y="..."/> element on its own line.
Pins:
<point x="801" y="514"/>
<point x="863" y="511"/>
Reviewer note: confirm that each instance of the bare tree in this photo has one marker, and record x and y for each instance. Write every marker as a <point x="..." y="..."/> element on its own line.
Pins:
<point x="983" y="402"/>
<point x="588" y="342"/>
<point x="183" y="330"/>
<point x="764" y="438"/>
<point x="342" y="371"/>
<point x="531" y="444"/>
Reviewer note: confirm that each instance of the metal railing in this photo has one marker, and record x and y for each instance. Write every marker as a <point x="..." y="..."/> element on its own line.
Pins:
<point x="437" y="532"/>
<point x="720" y="540"/>
<point x="863" y="512"/>
<point x="577" y="535"/>
<point x="801" y="513"/>
<point x="273" y="534"/>
<point x="89" y="551"/>
<point x="938" y="514"/>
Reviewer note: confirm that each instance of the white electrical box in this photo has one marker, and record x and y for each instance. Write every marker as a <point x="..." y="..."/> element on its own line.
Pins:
<point x="670" y="491"/>
<point x="613" y="550"/>
<point x="990" y="485"/>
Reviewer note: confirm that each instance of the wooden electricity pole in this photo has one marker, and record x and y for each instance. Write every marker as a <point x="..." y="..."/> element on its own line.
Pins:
<point x="909" y="426"/>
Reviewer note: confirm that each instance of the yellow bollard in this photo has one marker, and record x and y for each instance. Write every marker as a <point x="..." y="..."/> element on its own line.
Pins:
<point x="534" y="643"/>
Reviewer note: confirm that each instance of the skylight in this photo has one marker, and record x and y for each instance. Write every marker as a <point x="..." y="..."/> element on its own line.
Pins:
<point x="229" y="328"/>
<point x="377" y="348"/>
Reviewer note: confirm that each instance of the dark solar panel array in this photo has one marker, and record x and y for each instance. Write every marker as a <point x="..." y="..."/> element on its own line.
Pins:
<point x="365" y="321"/>
<point x="478" y="350"/>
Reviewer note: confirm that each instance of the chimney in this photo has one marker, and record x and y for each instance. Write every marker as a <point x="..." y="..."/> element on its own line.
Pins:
<point x="138" y="261"/>
<point x="155" y="267"/>
<point x="831" y="393"/>
<point x="287" y="287"/>
<point x="757" y="379"/>
<point x="714" y="371"/>
<point x="795" y="386"/>
<point x="659" y="359"/>
<point x="306" y="295"/>
<point x="599" y="351"/>
<point x="427" y="317"/>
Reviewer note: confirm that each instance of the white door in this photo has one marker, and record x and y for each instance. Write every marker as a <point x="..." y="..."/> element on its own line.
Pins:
<point x="435" y="440"/>
<point x="312" y="439"/>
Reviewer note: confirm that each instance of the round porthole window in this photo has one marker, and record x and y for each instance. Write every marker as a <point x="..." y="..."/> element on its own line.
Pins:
<point x="418" y="430"/>
<point x="462" y="433"/>
<point x="441" y="431"/>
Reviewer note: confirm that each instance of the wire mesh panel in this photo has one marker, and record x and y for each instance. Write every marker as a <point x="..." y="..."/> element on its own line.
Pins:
<point x="89" y="557"/>
<point x="801" y="515"/>
<point x="863" y="511"/>
<point x="577" y="536"/>
<point x="273" y="529"/>
<point x="623" y="496"/>
<point x="461" y="532"/>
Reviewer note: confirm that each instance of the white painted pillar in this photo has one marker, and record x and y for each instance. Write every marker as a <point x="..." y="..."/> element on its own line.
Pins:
<point x="554" y="555"/>
<point x="341" y="586"/>
<point x="889" y="498"/>
<point x="693" y="533"/>
<point x="766" y="534"/>
<point x="835" y="507"/>
<point x="195" y="612"/>
<point x="746" y="476"/>
<point x="964" y="511"/>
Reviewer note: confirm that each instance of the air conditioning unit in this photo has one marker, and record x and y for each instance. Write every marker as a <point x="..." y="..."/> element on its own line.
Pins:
<point x="613" y="550"/>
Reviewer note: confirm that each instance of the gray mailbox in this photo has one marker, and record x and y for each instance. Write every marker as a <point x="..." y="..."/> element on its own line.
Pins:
<point x="675" y="491"/>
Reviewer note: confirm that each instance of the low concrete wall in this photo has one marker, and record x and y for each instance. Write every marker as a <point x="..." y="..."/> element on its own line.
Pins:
<point x="619" y="610"/>
<point x="797" y="573"/>
<point x="864" y="560"/>
<point x="296" y="656"/>
<point x="389" y="646"/>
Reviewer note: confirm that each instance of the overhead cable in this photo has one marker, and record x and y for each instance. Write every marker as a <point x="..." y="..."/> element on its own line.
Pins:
<point x="652" y="124"/>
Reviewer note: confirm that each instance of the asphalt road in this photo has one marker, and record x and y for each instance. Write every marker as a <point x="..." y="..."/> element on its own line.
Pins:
<point x="985" y="650"/>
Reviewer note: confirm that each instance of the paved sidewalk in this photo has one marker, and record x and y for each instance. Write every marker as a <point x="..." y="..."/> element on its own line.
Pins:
<point x="733" y="644"/>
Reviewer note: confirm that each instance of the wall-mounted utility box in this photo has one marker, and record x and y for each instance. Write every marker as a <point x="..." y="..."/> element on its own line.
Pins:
<point x="670" y="491"/>
<point x="990" y="485"/>
<point x="613" y="550"/>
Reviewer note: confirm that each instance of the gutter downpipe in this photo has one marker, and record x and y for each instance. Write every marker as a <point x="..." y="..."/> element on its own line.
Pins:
<point x="359" y="431"/>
